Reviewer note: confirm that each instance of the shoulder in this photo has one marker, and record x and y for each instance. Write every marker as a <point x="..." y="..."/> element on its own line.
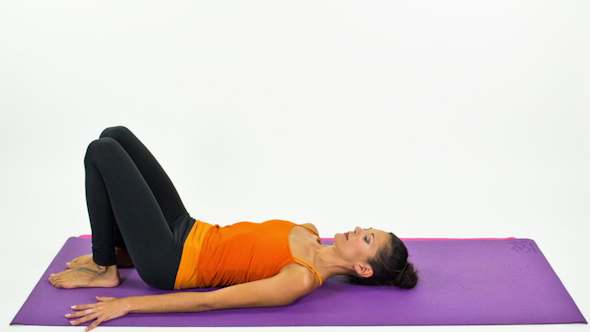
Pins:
<point x="300" y="279"/>
<point x="312" y="227"/>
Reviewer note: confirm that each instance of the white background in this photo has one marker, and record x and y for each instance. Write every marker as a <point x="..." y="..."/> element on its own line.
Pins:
<point x="425" y="118"/>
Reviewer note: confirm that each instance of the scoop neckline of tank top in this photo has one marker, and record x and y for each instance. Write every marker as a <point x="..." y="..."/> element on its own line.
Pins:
<point x="289" y="243"/>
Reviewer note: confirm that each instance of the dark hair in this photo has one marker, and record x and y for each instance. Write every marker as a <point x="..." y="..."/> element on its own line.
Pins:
<point x="390" y="267"/>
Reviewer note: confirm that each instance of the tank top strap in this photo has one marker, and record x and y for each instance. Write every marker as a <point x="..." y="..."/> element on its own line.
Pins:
<point x="311" y="231"/>
<point x="311" y="269"/>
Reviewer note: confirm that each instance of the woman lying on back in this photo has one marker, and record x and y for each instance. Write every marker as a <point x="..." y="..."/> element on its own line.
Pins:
<point x="138" y="219"/>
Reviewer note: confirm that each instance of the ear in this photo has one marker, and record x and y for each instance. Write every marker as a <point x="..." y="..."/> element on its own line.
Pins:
<point x="363" y="270"/>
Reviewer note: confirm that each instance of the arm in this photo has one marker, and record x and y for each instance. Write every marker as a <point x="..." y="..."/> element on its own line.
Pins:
<point x="279" y="290"/>
<point x="289" y="285"/>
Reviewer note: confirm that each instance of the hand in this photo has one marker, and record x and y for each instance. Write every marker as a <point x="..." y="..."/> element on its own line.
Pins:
<point x="106" y="308"/>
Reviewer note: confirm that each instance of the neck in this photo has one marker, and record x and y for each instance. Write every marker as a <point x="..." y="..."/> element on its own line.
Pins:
<point x="329" y="263"/>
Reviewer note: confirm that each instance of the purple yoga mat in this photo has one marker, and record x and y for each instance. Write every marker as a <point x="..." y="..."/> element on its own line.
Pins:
<point x="463" y="282"/>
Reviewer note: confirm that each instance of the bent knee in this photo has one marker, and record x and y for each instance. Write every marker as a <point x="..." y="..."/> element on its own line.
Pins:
<point x="101" y="148"/>
<point x="115" y="132"/>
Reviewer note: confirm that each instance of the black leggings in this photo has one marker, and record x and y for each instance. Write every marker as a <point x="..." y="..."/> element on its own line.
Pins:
<point x="132" y="203"/>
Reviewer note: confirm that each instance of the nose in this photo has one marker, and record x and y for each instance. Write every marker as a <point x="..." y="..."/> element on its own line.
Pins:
<point x="357" y="230"/>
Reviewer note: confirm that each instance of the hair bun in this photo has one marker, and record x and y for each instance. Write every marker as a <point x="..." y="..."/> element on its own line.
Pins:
<point x="407" y="277"/>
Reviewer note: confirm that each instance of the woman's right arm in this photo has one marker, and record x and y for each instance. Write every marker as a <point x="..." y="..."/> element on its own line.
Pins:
<point x="282" y="289"/>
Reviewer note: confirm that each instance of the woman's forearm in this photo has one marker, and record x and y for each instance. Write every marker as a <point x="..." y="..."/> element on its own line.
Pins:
<point x="108" y="308"/>
<point x="174" y="302"/>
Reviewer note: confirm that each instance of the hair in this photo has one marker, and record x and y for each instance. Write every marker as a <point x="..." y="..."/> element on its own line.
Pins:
<point x="390" y="267"/>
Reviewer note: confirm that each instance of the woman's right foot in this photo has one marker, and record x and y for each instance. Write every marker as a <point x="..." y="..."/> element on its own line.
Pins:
<point x="87" y="275"/>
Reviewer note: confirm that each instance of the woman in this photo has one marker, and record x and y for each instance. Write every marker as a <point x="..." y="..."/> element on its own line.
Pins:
<point x="138" y="219"/>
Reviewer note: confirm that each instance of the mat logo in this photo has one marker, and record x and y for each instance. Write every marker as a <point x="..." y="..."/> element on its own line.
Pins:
<point x="521" y="247"/>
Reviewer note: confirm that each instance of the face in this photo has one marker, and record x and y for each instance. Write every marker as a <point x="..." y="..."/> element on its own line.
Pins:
<point x="358" y="246"/>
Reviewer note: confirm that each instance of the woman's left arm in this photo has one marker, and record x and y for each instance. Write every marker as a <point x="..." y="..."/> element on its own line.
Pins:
<point x="284" y="288"/>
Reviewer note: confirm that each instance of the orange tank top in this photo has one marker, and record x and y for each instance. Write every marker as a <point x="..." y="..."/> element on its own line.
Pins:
<point x="221" y="256"/>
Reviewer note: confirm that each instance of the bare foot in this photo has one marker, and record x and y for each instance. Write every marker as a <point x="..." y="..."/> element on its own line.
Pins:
<point x="82" y="260"/>
<point x="122" y="255"/>
<point x="87" y="275"/>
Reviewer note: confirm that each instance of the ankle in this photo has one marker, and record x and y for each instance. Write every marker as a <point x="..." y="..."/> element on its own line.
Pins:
<point x="100" y="267"/>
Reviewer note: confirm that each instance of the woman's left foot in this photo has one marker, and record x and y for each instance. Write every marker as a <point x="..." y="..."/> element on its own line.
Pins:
<point x="82" y="260"/>
<point x="87" y="275"/>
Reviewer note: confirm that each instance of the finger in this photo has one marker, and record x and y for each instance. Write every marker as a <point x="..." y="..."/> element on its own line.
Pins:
<point x="84" y="306"/>
<point x="84" y="319"/>
<point x="104" y="298"/>
<point x="75" y="314"/>
<point x="80" y="313"/>
<point x="93" y="325"/>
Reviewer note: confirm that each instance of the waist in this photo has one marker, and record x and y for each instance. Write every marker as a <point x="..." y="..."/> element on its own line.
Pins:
<point x="186" y="276"/>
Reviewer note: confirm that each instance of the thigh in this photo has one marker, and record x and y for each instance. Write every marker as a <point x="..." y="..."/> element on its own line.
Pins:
<point x="156" y="178"/>
<point x="146" y="232"/>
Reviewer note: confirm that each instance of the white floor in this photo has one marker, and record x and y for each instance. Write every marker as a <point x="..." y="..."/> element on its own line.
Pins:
<point x="428" y="119"/>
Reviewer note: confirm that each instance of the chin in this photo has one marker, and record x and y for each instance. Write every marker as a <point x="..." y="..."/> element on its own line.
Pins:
<point x="338" y="237"/>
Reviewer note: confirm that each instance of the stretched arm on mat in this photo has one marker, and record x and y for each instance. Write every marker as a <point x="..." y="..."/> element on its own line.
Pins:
<point x="283" y="289"/>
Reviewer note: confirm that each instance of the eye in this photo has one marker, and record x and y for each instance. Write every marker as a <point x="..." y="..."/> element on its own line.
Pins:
<point x="367" y="239"/>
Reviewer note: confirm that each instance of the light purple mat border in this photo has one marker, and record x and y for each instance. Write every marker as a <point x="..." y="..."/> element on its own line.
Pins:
<point x="463" y="282"/>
